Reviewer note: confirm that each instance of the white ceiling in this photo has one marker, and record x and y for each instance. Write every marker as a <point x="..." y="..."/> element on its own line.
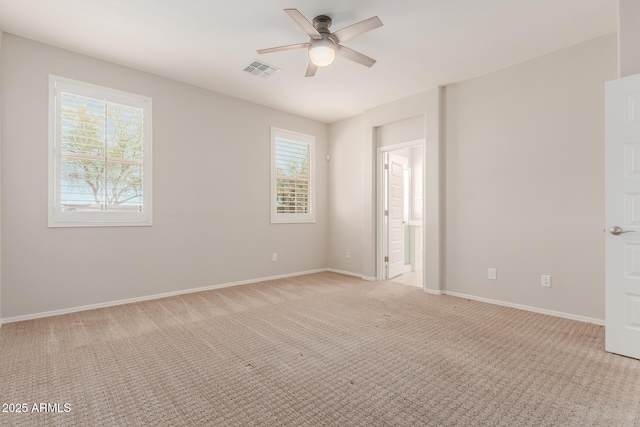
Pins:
<point x="423" y="43"/>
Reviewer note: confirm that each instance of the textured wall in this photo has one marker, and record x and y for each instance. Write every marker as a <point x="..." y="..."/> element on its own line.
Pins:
<point x="211" y="193"/>
<point x="346" y="189"/>
<point x="628" y="37"/>
<point x="358" y="138"/>
<point x="1" y="35"/>
<point x="525" y="180"/>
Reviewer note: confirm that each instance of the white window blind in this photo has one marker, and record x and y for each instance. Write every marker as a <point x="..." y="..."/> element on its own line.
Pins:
<point x="100" y="156"/>
<point x="292" y="177"/>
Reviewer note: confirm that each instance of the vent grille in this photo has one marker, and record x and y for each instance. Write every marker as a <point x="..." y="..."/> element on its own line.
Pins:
<point x="259" y="68"/>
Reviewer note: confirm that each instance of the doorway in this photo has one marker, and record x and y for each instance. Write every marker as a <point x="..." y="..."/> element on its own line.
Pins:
<point x="401" y="167"/>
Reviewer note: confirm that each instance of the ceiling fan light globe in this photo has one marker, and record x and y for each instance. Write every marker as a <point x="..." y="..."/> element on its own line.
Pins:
<point x="322" y="52"/>
<point x="322" y="56"/>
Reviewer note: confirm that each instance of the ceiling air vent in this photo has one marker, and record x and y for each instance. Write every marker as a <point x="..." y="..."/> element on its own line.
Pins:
<point x="259" y="68"/>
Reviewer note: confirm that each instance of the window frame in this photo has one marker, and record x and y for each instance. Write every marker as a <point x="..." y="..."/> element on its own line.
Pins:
<point x="293" y="218"/>
<point x="61" y="218"/>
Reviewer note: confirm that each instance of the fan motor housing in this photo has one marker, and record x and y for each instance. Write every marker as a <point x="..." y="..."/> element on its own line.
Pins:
<point x="322" y="24"/>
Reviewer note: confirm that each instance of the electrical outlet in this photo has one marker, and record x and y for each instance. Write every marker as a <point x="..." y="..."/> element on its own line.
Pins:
<point x="348" y="253"/>
<point x="274" y="256"/>
<point x="545" y="280"/>
<point x="493" y="274"/>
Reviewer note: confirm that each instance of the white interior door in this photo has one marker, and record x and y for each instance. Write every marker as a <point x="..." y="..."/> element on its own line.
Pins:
<point x="622" y="188"/>
<point x="395" y="223"/>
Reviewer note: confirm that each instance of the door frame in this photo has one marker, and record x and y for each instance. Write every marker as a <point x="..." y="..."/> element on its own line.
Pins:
<point x="430" y="106"/>
<point x="380" y="241"/>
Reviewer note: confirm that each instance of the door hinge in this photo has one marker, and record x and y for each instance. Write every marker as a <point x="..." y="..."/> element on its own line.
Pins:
<point x="386" y="165"/>
<point x="386" y="259"/>
<point x="386" y="212"/>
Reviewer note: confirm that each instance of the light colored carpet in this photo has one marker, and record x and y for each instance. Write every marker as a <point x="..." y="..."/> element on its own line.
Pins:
<point x="323" y="349"/>
<point x="412" y="278"/>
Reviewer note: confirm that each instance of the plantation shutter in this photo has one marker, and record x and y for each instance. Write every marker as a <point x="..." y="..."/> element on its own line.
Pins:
<point x="100" y="165"/>
<point x="293" y="160"/>
<point x="100" y="154"/>
<point x="292" y="177"/>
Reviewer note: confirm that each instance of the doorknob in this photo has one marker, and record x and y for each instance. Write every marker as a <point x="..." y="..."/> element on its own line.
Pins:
<point x="616" y="231"/>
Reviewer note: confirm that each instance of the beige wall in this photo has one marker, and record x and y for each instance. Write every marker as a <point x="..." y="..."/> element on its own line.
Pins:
<point x="426" y="105"/>
<point x="417" y="180"/>
<point x="525" y="181"/>
<point x="628" y="37"/>
<point x="211" y="193"/>
<point x="346" y="188"/>
<point x="524" y="187"/>
<point x="406" y="119"/>
<point x="406" y="130"/>
<point x="1" y="34"/>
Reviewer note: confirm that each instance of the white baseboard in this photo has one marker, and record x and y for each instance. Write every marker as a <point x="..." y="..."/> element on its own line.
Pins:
<point x="283" y="276"/>
<point x="349" y="273"/>
<point x="346" y="273"/>
<point x="150" y="297"/>
<point x="527" y="308"/>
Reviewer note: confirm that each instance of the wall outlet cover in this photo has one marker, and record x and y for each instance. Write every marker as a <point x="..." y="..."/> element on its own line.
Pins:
<point x="545" y="281"/>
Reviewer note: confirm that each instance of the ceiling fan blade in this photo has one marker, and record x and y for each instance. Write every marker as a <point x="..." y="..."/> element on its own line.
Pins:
<point x="283" y="48"/>
<point x="311" y="69"/>
<point x="303" y="23"/>
<point x="355" y="30"/>
<point x="354" y="56"/>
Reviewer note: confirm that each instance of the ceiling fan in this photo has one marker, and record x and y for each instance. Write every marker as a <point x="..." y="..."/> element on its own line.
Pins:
<point x="324" y="45"/>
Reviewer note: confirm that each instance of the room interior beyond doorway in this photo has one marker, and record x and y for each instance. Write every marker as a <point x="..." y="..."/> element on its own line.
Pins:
<point x="403" y="171"/>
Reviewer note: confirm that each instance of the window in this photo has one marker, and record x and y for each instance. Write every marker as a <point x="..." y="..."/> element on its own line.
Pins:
<point x="99" y="156"/>
<point x="292" y="177"/>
